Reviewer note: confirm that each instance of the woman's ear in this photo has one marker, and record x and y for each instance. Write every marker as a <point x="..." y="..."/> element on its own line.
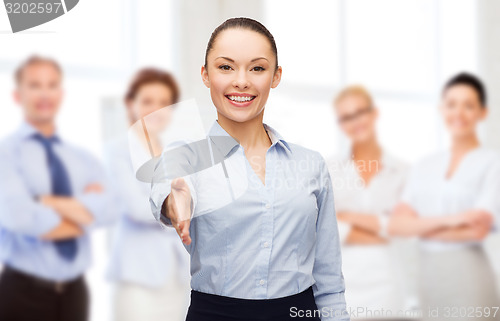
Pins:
<point x="441" y="108"/>
<point x="128" y="103"/>
<point x="375" y="112"/>
<point x="132" y="117"/>
<point x="16" y="96"/>
<point x="204" y="76"/>
<point x="276" y="77"/>
<point x="484" y="112"/>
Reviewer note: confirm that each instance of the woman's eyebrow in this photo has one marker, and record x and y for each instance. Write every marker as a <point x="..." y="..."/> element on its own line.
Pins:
<point x="231" y="60"/>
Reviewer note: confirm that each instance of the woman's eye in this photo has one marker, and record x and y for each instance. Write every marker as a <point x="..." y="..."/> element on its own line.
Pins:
<point x="470" y="106"/>
<point x="258" y="68"/>
<point x="225" y="67"/>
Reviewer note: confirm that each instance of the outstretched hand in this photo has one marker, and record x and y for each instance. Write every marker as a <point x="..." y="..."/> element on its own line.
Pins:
<point x="177" y="207"/>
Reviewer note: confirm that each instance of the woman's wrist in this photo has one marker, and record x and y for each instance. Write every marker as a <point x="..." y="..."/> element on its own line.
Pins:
<point x="454" y="220"/>
<point x="383" y="221"/>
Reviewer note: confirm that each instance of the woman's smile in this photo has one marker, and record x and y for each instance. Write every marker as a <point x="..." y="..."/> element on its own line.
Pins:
<point x="240" y="99"/>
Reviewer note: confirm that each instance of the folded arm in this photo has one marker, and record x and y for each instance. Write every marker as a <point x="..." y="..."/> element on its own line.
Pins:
<point x="365" y="228"/>
<point x="20" y="212"/>
<point x="97" y="198"/>
<point x="474" y="231"/>
<point x="65" y="230"/>
<point x="361" y="236"/>
<point x="406" y="222"/>
<point x="68" y="208"/>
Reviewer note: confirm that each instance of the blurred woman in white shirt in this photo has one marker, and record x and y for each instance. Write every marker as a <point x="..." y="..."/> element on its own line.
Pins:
<point x="449" y="202"/>
<point x="149" y="266"/>
<point x="367" y="183"/>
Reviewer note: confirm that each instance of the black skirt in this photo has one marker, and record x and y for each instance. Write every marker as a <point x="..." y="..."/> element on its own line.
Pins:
<point x="211" y="307"/>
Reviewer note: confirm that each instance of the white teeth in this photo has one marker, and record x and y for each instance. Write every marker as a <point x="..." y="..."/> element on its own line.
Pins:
<point x="241" y="98"/>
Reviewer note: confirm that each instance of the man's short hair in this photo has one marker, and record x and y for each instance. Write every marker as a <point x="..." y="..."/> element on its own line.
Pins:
<point x="33" y="60"/>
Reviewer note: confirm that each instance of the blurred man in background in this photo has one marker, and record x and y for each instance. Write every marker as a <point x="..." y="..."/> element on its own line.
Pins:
<point x="51" y="195"/>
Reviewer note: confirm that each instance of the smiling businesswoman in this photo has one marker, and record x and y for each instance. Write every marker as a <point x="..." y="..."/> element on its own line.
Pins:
<point x="273" y="253"/>
<point x="449" y="202"/>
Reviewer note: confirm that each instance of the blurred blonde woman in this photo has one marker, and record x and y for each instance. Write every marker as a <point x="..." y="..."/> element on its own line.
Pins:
<point x="367" y="183"/>
<point x="449" y="202"/>
<point x="149" y="266"/>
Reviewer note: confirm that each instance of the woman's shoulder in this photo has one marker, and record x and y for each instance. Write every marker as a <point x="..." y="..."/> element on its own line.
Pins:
<point x="389" y="160"/>
<point x="300" y="151"/>
<point x="487" y="157"/>
<point x="308" y="159"/>
<point x="430" y="159"/>
<point x="489" y="153"/>
<point x="393" y="168"/>
<point x="116" y="147"/>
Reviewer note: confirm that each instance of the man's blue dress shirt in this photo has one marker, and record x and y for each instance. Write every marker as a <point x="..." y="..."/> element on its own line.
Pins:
<point x="24" y="176"/>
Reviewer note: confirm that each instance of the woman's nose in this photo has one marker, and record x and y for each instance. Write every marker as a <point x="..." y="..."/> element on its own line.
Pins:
<point x="241" y="80"/>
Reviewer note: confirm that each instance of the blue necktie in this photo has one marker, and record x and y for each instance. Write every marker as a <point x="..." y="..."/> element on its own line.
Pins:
<point x="61" y="187"/>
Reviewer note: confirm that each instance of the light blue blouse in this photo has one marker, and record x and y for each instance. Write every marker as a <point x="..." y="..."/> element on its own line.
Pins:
<point x="273" y="240"/>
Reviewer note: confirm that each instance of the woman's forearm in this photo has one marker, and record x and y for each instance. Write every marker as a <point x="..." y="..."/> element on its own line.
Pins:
<point x="470" y="232"/>
<point x="460" y="233"/>
<point x="406" y="222"/>
<point x="417" y="226"/>
<point x="359" y="236"/>
<point x="367" y="222"/>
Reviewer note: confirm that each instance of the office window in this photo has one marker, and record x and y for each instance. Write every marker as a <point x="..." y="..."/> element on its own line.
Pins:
<point x="307" y="36"/>
<point x="402" y="51"/>
<point x="80" y="38"/>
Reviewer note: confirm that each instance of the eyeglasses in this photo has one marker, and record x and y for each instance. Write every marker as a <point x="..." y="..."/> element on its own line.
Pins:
<point x="349" y="117"/>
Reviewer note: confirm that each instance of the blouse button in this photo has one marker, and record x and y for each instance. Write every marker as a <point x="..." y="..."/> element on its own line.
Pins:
<point x="266" y="244"/>
<point x="268" y="206"/>
<point x="262" y="282"/>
